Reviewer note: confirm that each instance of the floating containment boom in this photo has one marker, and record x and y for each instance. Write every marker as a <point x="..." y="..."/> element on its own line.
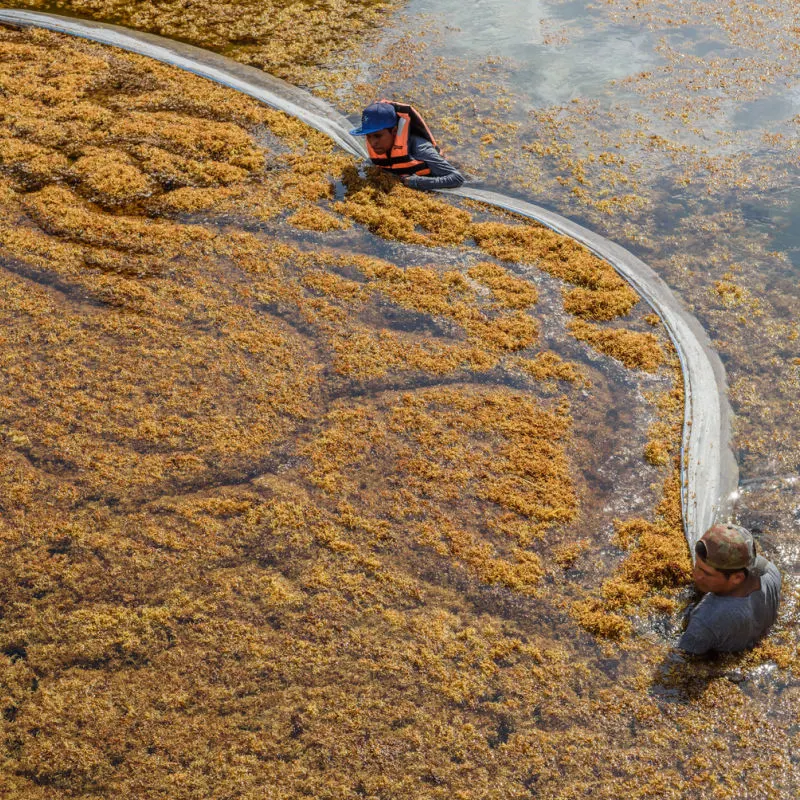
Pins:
<point x="709" y="473"/>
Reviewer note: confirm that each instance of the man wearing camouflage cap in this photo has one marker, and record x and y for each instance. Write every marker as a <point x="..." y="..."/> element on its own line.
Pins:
<point x="742" y="592"/>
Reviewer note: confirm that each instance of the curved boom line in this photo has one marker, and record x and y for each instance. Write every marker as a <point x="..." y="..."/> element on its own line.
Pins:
<point x="709" y="474"/>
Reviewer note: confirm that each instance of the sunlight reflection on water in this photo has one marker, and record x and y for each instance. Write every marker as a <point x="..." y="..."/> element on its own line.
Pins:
<point x="544" y="74"/>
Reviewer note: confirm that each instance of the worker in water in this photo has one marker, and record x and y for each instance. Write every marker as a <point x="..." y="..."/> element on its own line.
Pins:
<point x="742" y="593"/>
<point x="398" y="140"/>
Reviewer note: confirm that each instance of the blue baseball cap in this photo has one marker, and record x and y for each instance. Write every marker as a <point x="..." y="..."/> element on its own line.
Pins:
<point x="376" y="117"/>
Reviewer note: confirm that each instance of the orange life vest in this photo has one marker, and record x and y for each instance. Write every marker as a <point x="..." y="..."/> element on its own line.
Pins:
<point x="398" y="158"/>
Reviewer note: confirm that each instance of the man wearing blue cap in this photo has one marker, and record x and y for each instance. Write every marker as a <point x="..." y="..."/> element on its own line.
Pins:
<point x="398" y="140"/>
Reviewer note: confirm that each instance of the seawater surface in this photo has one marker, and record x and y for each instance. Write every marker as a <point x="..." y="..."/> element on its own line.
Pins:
<point x="330" y="620"/>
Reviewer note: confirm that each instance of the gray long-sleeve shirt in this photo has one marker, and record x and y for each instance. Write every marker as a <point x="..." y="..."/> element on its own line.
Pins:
<point x="443" y="174"/>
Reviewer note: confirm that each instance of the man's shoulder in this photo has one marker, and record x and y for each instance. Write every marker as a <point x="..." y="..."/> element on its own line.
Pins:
<point x="714" y="606"/>
<point x="716" y="610"/>
<point x="765" y="568"/>
<point x="417" y="142"/>
<point x="713" y="621"/>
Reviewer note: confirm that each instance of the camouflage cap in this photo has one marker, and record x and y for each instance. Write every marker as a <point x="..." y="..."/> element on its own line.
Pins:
<point x="729" y="546"/>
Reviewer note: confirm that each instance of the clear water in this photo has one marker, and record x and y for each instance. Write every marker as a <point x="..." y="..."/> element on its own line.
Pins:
<point x="544" y="74"/>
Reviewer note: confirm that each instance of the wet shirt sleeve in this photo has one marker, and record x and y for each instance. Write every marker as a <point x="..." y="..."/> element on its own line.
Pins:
<point x="443" y="174"/>
<point x="698" y="638"/>
<point x="702" y="633"/>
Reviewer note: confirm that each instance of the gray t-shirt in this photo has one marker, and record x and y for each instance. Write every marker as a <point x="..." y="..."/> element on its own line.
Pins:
<point x="443" y="174"/>
<point x="729" y="624"/>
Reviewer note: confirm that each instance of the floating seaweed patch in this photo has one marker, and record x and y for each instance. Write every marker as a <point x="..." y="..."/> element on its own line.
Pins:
<point x="394" y="211"/>
<point x="635" y="350"/>
<point x="276" y="525"/>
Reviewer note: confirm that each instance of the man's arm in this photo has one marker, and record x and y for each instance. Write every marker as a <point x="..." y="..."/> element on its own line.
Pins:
<point x="443" y="174"/>
<point x="697" y="639"/>
<point x="702" y="631"/>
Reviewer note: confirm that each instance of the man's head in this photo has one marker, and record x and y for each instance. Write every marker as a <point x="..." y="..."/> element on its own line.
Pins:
<point x="725" y="554"/>
<point x="379" y="125"/>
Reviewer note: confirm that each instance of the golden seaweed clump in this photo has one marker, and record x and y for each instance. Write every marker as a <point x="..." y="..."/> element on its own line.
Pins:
<point x="393" y="211"/>
<point x="567" y="554"/>
<point x="635" y="350"/>
<point x="110" y="176"/>
<point x="599" y="293"/>
<point x="657" y="450"/>
<point x="507" y="290"/>
<point x="547" y="365"/>
<point x="312" y="218"/>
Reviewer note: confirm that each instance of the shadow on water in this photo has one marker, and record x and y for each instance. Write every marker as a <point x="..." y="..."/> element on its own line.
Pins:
<point x="681" y="678"/>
